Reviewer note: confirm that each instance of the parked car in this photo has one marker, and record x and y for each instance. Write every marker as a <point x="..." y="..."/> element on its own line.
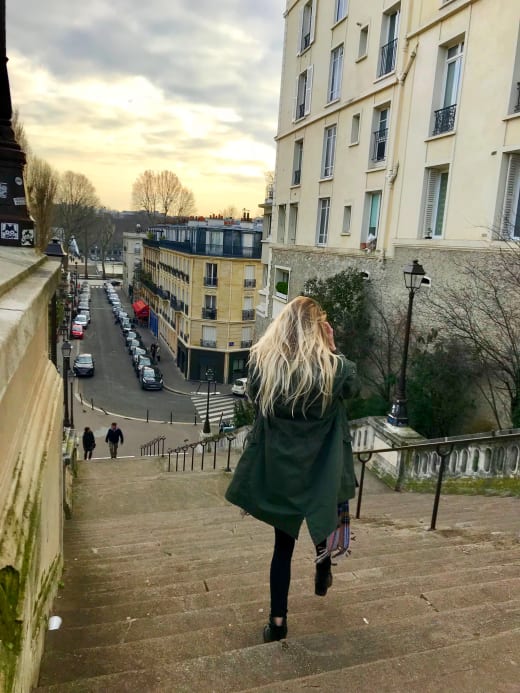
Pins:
<point x="126" y="325"/>
<point x="83" y="305"/>
<point x="133" y="343"/>
<point x="239" y="387"/>
<point x="151" y="378"/>
<point x="141" y="363"/>
<point x="81" y="320"/>
<point x="83" y="364"/>
<point x="129" y="334"/>
<point x="86" y="313"/>
<point x="76" y="331"/>
<point x="136" y="352"/>
<point x="115" y="282"/>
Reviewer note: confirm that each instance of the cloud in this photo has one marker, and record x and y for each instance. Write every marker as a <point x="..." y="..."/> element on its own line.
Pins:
<point x="187" y="86"/>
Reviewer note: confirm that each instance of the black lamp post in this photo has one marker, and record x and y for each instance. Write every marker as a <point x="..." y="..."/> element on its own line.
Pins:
<point x="398" y="416"/>
<point x="209" y="377"/>
<point x="66" y="349"/>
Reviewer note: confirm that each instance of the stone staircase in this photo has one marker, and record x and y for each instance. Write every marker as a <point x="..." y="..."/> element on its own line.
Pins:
<point x="165" y="589"/>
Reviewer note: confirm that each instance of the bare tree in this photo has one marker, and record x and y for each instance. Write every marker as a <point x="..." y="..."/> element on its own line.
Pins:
<point x="76" y="204"/>
<point x="483" y="311"/>
<point x="103" y="232"/>
<point x="42" y="185"/>
<point x="161" y="194"/>
<point x="229" y="212"/>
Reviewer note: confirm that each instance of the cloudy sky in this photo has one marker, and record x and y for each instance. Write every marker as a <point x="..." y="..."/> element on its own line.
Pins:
<point x="110" y="88"/>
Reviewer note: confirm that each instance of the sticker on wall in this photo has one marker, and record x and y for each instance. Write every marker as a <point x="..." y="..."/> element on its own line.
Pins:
<point x="18" y="180"/>
<point x="9" y="231"/>
<point x="28" y="237"/>
<point x="3" y="191"/>
<point x="19" y="201"/>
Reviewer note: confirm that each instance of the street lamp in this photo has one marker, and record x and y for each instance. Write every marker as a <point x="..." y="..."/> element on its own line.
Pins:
<point x="66" y="349"/>
<point x="398" y="416"/>
<point x="206" y="429"/>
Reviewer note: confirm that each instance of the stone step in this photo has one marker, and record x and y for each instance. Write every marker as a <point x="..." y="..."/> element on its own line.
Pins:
<point x="76" y="615"/>
<point x="374" y="612"/>
<point x="231" y="654"/>
<point x="447" y="669"/>
<point x="415" y="563"/>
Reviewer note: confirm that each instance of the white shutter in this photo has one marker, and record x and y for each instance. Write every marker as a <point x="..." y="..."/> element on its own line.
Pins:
<point x="308" y="90"/>
<point x="295" y="107"/>
<point x="313" y="19"/>
<point x="300" y="30"/>
<point x="430" y="201"/>
<point x="508" y="211"/>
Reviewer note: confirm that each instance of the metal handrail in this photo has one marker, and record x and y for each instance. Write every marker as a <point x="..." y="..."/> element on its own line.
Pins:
<point x="153" y="447"/>
<point x="206" y="442"/>
<point x="443" y="447"/>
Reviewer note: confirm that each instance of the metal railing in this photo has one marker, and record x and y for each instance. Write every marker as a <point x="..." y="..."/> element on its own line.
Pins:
<point x="209" y="313"/>
<point x="387" y="59"/>
<point x="517" y="105"/>
<point x="442" y="447"/>
<point x="380" y="138"/>
<point x="153" y="447"/>
<point x="180" y="453"/>
<point x="444" y="119"/>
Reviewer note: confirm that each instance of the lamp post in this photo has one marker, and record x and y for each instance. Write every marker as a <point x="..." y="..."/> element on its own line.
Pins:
<point x="209" y="377"/>
<point x="398" y="416"/>
<point x="66" y="349"/>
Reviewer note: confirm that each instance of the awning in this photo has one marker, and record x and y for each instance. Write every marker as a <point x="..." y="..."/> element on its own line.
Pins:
<point x="141" y="309"/>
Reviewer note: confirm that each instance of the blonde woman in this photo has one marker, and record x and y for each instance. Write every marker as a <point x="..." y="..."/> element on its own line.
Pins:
<point x="298" y="463"/>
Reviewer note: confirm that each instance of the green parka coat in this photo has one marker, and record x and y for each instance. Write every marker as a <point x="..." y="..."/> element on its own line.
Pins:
<point x="298" y="467"/>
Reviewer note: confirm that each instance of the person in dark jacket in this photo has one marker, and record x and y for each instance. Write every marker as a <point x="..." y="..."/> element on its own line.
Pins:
<point x="113" y="436"/>
<point x="89" y="443"/>
<point x="298" y="463"/>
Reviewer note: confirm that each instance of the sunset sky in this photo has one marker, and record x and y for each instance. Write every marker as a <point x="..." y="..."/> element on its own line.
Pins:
<point x="110" y="89"/>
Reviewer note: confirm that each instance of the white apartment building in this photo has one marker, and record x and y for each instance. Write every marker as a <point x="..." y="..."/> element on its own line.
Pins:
<point x="398" y="138"/>
<point x="132" y="258"/>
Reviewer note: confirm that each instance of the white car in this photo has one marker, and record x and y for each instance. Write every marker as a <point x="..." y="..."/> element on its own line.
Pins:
<point x="81" y="320"/>
<point x="239" y="387"/>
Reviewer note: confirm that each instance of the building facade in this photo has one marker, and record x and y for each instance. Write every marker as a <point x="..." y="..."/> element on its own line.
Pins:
<point x="201" y="281"/>
<point x="132" y="255"/>
<point x="398" y="138"/>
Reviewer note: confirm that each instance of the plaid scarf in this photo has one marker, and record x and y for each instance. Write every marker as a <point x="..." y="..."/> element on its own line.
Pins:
<point x="338" y="542"/>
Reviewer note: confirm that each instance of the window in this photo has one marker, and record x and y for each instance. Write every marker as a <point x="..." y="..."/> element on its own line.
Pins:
<point x="247" y="337"/>
<point x="373" y="209"/>
<point x="335" y="73"/>
<point x="297" y="162"/>
<point x="281" y="282"/>
<point x="249" y="277"/>
<point x="323" y="220"/>
<point x="209" y="311"/>
<point x="347" y="215"/>
<point x="248" y="312"/>
<point x="340" y="10"/>
<point x="293" y="222"/>
<point x="209" y="336"/>
<point x="281" y="224"/>
<point x="329" y="149"/>
<point x="302" y="100"/>
<point x="435" y="202"/>
<point x="363" y="42"/>
<point x="514" y="99"/>
<point x="307" y="19"/>
<point x="510" y="227"/>
<point x="380" y="135"/>
<point x="354" y="131"/>
<point x="445" y="116"/>
<point x="214" y="242"/>
<point x="210" y="278"/>
<point x="389" y="43"/>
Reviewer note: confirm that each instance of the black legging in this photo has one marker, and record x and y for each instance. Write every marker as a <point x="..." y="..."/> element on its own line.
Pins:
<point x="280" y="575"/>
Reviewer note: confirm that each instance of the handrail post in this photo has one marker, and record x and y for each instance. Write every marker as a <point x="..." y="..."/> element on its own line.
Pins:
<point x="163" y="439"/>
<point x="216" y="440"/>
<point x="362" y="479"/>
<point x="169" y="460"/>
<point x="176" y="459"/>
<point x="230" y="439"/>
<point x="443" y="456"/>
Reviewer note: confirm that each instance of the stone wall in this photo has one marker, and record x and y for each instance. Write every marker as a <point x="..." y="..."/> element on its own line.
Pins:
<point x="31" y="417"/>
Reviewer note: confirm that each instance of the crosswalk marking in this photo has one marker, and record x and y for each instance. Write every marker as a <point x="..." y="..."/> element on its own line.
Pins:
<point x="219" y="405"/>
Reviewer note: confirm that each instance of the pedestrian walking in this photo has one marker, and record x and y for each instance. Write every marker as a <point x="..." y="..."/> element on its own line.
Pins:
<point x="153" y="349"/>
<point x="113" y="436"/>
<point x="89" y="443"/>
<point x="157" y="353"/>
<point x="298" y="463"/>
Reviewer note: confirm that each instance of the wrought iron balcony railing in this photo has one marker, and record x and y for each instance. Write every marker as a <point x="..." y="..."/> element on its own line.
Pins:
<point x="248" y="315"/>
<point x="210" y="281"/>
<point x="445" y="119"/>
<point x="209" y="313"/>
<point x="296" y="176"/>
<point x="387" y="58"/>
<point x="210" y="344"/>
<point x="246" y="344"/>
<point x="249" y="283"/>
<point x="380" y="138"/>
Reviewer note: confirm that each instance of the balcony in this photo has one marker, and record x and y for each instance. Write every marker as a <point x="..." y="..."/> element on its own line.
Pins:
<point x="208" y="343"/>
<point x="247" y="344"/>
<point x="248" y="315"/>
<point x="445" y="119"/>
<point x="387" y="58"/>
<point x="210" y="281"/>
<point x="380" y="138"/>
<point x="209" y="313"/>
<point x="249" y="283"/>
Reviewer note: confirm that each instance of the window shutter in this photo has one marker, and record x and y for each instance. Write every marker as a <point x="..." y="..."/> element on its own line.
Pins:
<point x="308" y="90"/>
<point x="300" y="30"/>
<point x="441" y="204"/>
<point x="508" y="213"/>
<point x="429" y="207"/>
<point x="295" y="107"/>
<point x="313" y="19"/>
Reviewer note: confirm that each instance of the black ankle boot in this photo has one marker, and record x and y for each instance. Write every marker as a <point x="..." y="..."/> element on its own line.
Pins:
<point x="273" y="632"/>
<point x="322" y="579"/>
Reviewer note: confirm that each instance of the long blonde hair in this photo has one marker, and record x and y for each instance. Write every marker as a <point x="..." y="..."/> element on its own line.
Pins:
<point x="292" y="361"/>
